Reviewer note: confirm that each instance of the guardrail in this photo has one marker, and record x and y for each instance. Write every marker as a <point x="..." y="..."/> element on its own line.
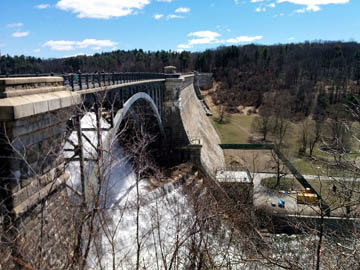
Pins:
<point x="80" y="81"/>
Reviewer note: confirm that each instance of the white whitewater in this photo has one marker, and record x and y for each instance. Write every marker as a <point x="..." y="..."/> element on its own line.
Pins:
<point x="160" y="220"/>
<point x="167" y="224"/>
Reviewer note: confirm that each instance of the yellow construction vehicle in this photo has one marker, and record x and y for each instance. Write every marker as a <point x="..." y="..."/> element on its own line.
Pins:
<point x="306" y="197"/>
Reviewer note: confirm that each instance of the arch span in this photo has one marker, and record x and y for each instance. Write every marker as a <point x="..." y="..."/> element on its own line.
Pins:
<point x="111" y="137"/>
<point x="122" y="113"/>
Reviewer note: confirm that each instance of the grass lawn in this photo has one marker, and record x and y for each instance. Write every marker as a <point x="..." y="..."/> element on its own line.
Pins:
<point x="236" y="129"/>
<point x="286" y="184"/>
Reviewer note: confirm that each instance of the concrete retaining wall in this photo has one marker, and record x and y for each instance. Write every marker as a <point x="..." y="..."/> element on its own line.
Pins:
<point x="292" y="223"/>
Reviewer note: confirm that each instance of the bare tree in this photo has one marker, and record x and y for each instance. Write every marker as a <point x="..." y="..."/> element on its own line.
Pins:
<point x="263" y="124"/>
<point x="222" y="114"/>
<point x="281" y="126"/>
<point x="310" y="135"/>
<point x="315" y="133"/>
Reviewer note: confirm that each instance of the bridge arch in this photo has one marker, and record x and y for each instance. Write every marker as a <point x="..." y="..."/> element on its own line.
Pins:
<point x="112" y="137"/>
<point x="128" y="106"/>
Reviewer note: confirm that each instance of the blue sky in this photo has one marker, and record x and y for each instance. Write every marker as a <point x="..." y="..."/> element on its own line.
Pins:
<point x="60" y="28"/>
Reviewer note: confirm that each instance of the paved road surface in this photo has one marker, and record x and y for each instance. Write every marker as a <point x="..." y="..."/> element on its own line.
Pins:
<point x="265" y="198"/>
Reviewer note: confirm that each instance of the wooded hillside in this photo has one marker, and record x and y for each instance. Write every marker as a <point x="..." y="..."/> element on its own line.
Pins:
<point x="305" y="78"/>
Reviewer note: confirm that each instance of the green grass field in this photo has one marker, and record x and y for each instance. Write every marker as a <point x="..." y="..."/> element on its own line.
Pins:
<point x="286" y="184"/>
<point x="237" y="130"/>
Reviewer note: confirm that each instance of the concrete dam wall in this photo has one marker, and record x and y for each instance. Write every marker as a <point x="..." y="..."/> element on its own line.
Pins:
<point x="197" y="125"/>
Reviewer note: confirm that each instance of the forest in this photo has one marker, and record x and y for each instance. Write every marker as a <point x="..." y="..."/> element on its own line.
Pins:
<point x="304" y="78"/>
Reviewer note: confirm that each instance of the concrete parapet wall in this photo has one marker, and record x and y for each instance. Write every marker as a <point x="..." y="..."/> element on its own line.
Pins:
<point x="14" y="87"/>
<point x="24" y="97"/>
<point x="204" y="80"/>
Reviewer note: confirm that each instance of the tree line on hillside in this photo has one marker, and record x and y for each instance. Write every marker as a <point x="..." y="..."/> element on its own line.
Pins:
<point x="307" y="78"/>
<point x="116" y="61"/>
<point x="310" y="76"/>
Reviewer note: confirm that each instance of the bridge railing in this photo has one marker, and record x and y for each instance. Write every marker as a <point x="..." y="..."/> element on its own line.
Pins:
<point x="80" y="81"/>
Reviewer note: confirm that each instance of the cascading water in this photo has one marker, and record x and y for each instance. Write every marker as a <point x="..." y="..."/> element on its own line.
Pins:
<point x="162" y="231"/>
<point x="160" y="221"/>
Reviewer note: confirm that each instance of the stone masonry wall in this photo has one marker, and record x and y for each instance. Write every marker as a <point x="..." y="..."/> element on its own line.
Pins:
<point x="36" y="220"/>
<point x="172" y="121"/>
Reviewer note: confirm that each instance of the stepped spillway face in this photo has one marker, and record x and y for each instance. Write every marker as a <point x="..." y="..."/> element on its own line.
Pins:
<point x="198" y="126"/>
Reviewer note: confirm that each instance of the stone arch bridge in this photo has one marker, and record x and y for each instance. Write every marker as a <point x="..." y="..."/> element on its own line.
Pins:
<point x="34" y="115"/>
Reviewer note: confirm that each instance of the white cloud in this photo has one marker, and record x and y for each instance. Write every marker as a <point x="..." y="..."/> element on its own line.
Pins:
<point x="97" y="43"/>
<point x="102" y="9"/>
<point x="308" y="9"/>
<point x="204" y="34"/>
<point x="13" y="25"/>
<point x="68" y="45"/>
<point x="184" y="46"/>
<point x="314" y="2"/>
<point x="36" y="50"/>
<point x="174" y="16"/>
<point x="312" y="5"/>
<point x="20" y="34"/>
<point x="42" y="6"/>
<point x="312" y="8"/>
<point x="309" y="5"/>
<point x="158" y="16"/>
<point x="210" y="37"/>
<point x="197" y="41"/>
<point x="203" y="37"/>
<point x="260" y="9"/>
<point x="169" y="1"/>
<point x="182" y="10"/>
<point x="60" y="45"/>
<point x="243" y="39"/>
<point x="291" y="38"/>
